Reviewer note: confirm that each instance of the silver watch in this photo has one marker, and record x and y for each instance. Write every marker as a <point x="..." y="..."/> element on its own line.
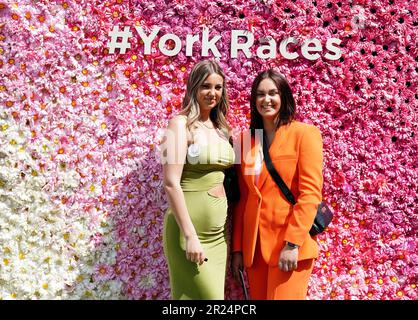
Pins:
<point x="291" y="245"/>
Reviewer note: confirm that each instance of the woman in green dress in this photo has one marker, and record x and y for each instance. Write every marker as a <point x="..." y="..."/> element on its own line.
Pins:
<point x="196" y="153"/>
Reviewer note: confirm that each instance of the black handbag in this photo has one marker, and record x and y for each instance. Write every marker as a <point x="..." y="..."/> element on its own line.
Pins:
<point x="231" y="182"/>
<point x="323" y="214"/>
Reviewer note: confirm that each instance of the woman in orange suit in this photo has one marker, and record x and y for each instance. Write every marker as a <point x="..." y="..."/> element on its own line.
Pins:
<point x="271" y="236"/>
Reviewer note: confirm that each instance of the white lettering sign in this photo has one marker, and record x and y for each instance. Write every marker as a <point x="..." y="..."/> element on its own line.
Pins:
<point x="241" y="40"/>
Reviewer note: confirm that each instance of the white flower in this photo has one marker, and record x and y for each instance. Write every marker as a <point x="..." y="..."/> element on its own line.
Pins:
<point x="70" y="179"/>
<point x="147" y="282"/>
<point x="46" y="247"/>
<point x="193" y="150"/>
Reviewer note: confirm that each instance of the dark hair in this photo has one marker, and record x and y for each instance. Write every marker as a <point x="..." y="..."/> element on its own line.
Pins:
<point x="287" y="108"/>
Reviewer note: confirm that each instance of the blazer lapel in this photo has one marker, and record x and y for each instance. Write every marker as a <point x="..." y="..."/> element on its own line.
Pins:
<point x="274" y="147"/>
<point x="249" y="156"/>
<point x="263" y="176"/>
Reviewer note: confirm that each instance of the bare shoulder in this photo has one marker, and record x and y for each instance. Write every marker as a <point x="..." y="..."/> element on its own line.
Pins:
<point x="179" y="119"/>
<point x="178" y="122"/>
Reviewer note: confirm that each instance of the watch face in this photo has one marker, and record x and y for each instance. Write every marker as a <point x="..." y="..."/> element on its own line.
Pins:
<point x="292" y="245"/>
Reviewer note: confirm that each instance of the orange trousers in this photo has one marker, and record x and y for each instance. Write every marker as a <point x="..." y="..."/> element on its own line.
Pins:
<point x="270" y="283"/>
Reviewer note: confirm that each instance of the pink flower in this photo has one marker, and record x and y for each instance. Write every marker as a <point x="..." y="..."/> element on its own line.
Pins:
<point x="103" y="272"/>
<point x="99" y="114"/>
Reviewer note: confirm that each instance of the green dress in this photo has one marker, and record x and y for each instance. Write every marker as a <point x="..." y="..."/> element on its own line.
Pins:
<point x="189" y="280"/>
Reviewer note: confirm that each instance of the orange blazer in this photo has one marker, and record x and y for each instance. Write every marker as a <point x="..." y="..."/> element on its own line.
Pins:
<point x="296" y="153"/>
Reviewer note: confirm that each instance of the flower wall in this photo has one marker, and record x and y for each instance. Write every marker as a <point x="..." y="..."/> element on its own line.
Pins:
<point x="81" y="197"/>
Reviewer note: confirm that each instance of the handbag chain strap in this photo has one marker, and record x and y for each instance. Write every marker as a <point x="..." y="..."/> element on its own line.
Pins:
<point x="274" y="174"/>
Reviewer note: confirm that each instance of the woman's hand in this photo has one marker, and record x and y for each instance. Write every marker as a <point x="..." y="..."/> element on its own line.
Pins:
<point x="194" y="250"/>
<point x="288" y="259"/>
<point x="237" y="264"/>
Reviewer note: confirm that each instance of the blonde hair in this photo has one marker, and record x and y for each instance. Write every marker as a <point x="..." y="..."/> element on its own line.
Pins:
<point x="190" y="107"/>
